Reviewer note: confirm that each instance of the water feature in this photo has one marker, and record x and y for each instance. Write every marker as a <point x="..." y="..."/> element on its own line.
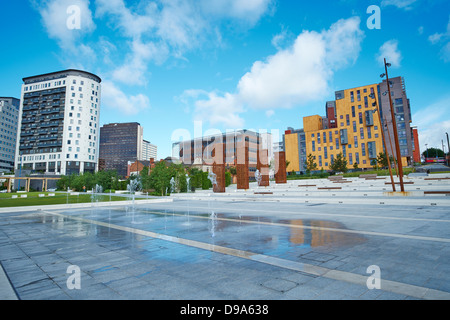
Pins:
<point x="172" y="185"/>
<point x="132" y="187"/>
<point x="258" y="177"/>
<point x="213" y="223"/>
<point x="188" y="183"/>
<point x="213" y="178"/>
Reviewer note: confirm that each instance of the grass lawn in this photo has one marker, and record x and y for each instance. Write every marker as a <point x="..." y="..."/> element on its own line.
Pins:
<point x="33" y="199"/>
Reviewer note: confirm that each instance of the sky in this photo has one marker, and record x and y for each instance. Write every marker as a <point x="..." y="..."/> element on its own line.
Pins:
<point x="184" y="69"/>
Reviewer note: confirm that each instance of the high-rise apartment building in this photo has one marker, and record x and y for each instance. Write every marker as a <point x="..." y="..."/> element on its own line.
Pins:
<point x="59" y="123"/>
<point x="352" y="127"/>
<point x="402" y="110"/>
<point x="119" y="144"/>
<point x="9" y="118"/>
<point x="149" y="151"/>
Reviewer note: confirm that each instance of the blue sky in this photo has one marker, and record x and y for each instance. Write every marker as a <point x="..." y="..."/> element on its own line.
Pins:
<point x="256" y="64"/>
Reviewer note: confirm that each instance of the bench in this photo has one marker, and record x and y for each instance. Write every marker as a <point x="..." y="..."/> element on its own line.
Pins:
<point x="408" y="182"/>
<point x="335" y="177"/>
<point x="307" y="185"/>
<point x="263" y="192"/>
<point x="330" y="188"/>
<point x="368" y="176"/>
<point x="437" y="179"/>
<point x="436" y="192"/>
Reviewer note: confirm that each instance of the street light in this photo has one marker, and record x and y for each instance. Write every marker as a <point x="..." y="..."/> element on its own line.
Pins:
<point x="372" y="95"/>
<point x="394" y="125"/>
<point x="448" y="149"/>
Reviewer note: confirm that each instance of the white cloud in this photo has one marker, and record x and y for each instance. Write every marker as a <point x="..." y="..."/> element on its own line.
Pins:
<point x="401" y="4"/>
<point x="390" y="51"/>
<point x="444" y="40"/>
<point x="223" y="110"/>
<point x="114" y="98"/>
<point x="160" y="29"/>
<point x="433" y="122"/>
<point x="293" y="76"/>
<point x="55" y="15"/>
<point x="250" y="10"/>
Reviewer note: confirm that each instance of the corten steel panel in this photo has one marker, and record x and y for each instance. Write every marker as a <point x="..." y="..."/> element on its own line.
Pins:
<point x="219" y="167"/>
<point x="242" y="167"/>
<point x="263" y="167"/>
<point x="280" y="168"/>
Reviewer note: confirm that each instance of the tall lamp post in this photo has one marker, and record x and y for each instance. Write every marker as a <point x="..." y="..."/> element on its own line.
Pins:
<point x="394" y="125"/>
<point x="448" y="150"/>
<point x="375" y="104"/>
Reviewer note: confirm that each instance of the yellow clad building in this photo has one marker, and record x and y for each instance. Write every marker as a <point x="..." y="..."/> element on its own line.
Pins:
<point x="350" y="127"/>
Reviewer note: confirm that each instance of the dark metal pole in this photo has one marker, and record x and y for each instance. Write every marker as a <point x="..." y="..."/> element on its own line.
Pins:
<point x="394" y="125"/>
<point x="448" y="150"/>
<point x="385" y="145"/>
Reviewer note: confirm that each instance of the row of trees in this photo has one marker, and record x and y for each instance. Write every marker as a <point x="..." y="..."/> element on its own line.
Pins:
<point x="156" y="181"/>
<point x="340" y="163"/>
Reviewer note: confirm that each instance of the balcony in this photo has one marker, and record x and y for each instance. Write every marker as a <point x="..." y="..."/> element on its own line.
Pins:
<point x="369" y="118"/>
<point x="344" y="136"/>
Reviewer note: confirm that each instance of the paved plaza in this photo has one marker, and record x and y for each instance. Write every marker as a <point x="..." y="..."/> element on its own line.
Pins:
<point x="285" y="243"/>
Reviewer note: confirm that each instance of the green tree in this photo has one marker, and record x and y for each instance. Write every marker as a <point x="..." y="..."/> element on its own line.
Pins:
<point x="311" y="165"/>
<point x="433" y="153"/>
<point x="382" y="160"/>
<point x="339" y="164"/>
<point x="160" y="178"/>
<point x="227" y="179"/>
<point x="206" y="183"/>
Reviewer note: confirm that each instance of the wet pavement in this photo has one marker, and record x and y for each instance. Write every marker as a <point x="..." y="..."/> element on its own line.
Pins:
<point x="208" y="250"/>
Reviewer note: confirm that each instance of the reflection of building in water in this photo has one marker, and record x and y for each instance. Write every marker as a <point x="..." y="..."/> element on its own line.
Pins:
<point x="308" y="232"/>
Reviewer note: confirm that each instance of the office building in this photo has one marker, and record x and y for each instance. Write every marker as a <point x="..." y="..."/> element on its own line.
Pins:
<point x="59" y="123"/>
<point x="199" y="152"/>
<point x="149" y="151"/>
<point x="119" y="144"/>
<point x="9" y="118"/>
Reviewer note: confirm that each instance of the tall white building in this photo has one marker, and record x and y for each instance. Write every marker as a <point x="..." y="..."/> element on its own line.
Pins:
<point x="59" y="123"/>
<point x="149" y="151"/>
<point x="9" y="117"/>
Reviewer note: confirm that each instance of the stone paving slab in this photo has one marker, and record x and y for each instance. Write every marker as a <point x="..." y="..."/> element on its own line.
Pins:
<point x="246" y="251"/>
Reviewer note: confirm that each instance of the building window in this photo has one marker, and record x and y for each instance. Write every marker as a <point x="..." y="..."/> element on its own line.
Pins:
<point x="356" y="141"/>
<point x="354" y="126"/>
<point x="361" y="130"/>
<point x="369" y="133"/>
<point x="350" y="159"/>
<point x="363" y="148"/>
<point x="353" y="112"/>
<point x="360" y="118"/>
<point x="313" y="146"/>
<point x="318" y="137"/>
<point x="352" y="97"/>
